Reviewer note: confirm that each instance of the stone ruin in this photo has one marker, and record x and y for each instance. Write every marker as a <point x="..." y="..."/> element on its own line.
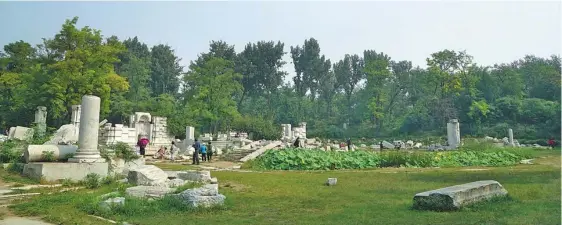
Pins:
<point x="85" y="160"/>
<point x="26" y="133"/>
<point x="152" y="182"/>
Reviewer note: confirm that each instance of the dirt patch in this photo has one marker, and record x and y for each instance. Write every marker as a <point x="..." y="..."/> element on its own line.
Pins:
<point x="233" y="186"/>
<point x="220" y="164"/>
<point x="548" y="160"/>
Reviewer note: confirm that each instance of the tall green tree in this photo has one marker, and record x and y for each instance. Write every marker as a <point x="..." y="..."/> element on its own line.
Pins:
<point x="82" y="64"/>
<point x="210" y="97"/>
<point x="164" y="71"/>
<point x="262" y="74"/>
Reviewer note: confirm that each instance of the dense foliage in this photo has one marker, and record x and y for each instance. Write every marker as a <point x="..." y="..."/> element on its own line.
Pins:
<point x="306" y="159"/>
<point x="372" y="93"/>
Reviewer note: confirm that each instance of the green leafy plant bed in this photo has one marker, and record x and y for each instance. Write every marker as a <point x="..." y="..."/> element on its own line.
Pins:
<point x="306" y="159"/>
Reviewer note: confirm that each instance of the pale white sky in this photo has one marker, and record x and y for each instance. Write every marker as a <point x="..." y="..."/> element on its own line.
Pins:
<point x="491" y="31"/>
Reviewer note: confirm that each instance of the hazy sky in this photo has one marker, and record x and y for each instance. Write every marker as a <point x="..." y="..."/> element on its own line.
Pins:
<point x="492" y="32"/>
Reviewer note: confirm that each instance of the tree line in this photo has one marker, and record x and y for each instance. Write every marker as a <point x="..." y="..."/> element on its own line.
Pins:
<point x="371" y="93"/>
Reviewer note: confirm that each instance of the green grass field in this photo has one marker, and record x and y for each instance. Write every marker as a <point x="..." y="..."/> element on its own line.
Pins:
<point x="375" y="196"/>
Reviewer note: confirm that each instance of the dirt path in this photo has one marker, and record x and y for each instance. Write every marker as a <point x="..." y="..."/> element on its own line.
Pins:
<point x="8" y="217"/>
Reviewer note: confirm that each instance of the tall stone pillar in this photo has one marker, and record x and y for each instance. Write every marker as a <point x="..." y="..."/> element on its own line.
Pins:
<point x="89" y="130"/>
<point x="453" y="133"/>
<point x="189" y="137"/>
<point x="41" y="120"/>
<point x="75" y="118"/>
<point x="132" y="121"/>
<point x="510" y="133"/>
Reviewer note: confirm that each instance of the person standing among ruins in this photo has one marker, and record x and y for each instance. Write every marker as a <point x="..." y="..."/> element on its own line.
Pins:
<point x="197" y="148"/>
<point x="173" y="150"/>
<point x="297" y="143"/>
<point x="209" y="152"/>
<point x="203" y="152"/>
<point x="142" y="143"/>
<point x="349" y="144"/>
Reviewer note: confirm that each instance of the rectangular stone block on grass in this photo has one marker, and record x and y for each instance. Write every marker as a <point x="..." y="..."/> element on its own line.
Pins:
<point x="148" y="175"/>
<point x="149" y="191"/>
<point x="193" y="175"/>
<point x="455" y="197"/>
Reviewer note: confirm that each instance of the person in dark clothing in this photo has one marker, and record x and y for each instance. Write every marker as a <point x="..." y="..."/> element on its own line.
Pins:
<point x="209" y="151"/>
<point x="297" y="142"/>
<point x="551" y="142"/>
<point x="380" y="144"/>
<point x="197" y="147"/>
<point x="349" y="144"/>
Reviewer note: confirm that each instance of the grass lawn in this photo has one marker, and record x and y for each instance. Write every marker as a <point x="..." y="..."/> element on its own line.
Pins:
<point x="377" y="196"/>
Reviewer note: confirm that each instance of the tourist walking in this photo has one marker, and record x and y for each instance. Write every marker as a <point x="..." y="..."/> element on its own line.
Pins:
<point x="209" y="152"/>
<point x="197" y="148"/>
<point x="142" y="143"/>
<point x="203" y="152"/>
<point x="349" y="144"/>
<point x="173" y="150"/>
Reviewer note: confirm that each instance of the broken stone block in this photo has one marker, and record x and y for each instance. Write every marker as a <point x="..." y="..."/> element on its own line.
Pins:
<point x="455" y="197"/>
<point x="387" y="144"/>
<point x="332" y="181"/>
<point x="65" y="135"/>
<point x="205" y="201"/>
<point x="172" y="174"/>
<point x="193" y="175"/>
<point x="112" y="202"/>
<point x="119" y="166"/>
<point x="206" y="190"/>
<point x="149" y="191"/>
<point x="175" y="182"/>
<point x="147" y="175"/>
<point x="214" y="180"/>
<point x="21" y="133"/>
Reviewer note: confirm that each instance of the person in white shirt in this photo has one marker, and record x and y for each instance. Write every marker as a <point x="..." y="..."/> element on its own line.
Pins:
<point x="173" y="150"/>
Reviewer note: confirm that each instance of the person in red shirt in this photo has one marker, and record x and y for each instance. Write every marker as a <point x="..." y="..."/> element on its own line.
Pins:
<point x="551" y="143"/>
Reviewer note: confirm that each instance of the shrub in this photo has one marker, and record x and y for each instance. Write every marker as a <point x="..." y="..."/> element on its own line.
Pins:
<point x="16" y="167"/>
<point x="91" y="181"/>
<point x="67" y="182"/>
<point x="124" y="151"/>
<point x="11" y="151"/>
<point x="48" y="156"/>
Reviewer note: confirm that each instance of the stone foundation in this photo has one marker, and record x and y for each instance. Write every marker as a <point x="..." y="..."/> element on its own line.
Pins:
<point x="58" y="171"/>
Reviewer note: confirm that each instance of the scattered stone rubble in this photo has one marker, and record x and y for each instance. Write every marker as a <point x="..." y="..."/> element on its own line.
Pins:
<point x="152" y="182"/>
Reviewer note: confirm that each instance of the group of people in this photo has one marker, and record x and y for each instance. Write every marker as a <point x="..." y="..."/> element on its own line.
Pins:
<point x="201" y="148"/>
<point x="206" y="150"/>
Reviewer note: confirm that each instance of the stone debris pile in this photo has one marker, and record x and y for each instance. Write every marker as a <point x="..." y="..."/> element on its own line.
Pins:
<point x="152" y="183"/>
